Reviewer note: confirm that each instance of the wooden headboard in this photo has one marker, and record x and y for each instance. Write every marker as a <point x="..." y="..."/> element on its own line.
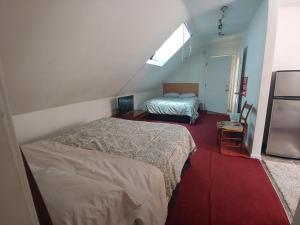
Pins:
<point x="181" y="88"/>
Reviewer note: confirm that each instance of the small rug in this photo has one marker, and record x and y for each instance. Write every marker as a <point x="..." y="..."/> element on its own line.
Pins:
<point x="286" y="176"/>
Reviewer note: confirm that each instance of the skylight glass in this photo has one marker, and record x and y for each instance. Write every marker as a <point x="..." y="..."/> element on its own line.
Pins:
<point x="171" y="46"/>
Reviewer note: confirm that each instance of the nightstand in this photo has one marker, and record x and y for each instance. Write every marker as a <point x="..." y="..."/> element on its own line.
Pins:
<point x="133" y="115"/>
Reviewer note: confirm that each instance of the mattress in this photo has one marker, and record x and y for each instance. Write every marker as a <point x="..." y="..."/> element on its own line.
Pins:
<point x="187" y="106"/>
<point x="165" y="146"/>
<point x="90" y="187"/>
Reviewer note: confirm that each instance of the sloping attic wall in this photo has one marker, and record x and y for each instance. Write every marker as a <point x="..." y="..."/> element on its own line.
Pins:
<point x="62" y="52"/>
<point x="149" y="75"/>
<point x="194" y="70"/>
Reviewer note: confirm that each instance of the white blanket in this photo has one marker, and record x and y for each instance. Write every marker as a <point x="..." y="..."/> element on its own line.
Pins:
<point x="130" y="192"/>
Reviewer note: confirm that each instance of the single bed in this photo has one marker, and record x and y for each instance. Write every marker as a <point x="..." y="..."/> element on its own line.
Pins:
<point x="142" y="160"/>
<point x="180" y="99"/>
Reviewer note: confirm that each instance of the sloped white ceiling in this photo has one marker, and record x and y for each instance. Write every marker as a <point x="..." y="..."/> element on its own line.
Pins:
<point x="236" y="21"/>
<point x="149" y="76"/>
<point x="61" y="52"/>
<point x="203" y="22"/>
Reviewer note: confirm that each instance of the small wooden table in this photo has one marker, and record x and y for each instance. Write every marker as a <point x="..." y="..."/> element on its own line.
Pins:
<point x="133" y="115"/>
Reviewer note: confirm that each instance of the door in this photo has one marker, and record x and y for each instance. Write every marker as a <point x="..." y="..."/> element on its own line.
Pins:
<point x="217" y="84"/>
<point x="284" y="133"/>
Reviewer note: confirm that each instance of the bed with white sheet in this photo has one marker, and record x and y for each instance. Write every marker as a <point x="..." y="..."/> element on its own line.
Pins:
<point x="140" y="161"/>
<point x="181" y="105"/>
<point x="179" y="99"/>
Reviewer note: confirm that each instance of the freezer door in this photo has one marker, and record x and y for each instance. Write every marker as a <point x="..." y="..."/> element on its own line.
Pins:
<point x="284" y="133"/>
<point x="287" y="84"/>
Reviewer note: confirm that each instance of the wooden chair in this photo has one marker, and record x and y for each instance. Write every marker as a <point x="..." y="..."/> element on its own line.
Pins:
<point x="232" y="133"/>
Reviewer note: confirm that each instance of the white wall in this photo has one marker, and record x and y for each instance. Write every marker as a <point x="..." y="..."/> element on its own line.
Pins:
<point x="255" y="39"/>
<point x="287" y="47"/>
<point x="38" y="124"/>
<point x="56" y="53"/>
<point x="155" y="75"/>
<point x="282" y="50"/>
<point x="191" y="71"/>
<point x="141" y="97"/>
<point x="16" y="205"/>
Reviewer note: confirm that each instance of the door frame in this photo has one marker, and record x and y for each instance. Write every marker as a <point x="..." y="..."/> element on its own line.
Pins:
<point x="243" y="73"/>
<point x="13" y="157"/>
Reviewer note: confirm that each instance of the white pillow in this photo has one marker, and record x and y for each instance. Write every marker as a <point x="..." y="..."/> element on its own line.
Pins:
<point x="187" y="95"/>
<point x="171" y="94"/>
<point x="75" y="199"/>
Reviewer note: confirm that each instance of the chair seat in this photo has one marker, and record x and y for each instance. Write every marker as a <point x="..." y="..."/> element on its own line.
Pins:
<point x="230" y="125"/>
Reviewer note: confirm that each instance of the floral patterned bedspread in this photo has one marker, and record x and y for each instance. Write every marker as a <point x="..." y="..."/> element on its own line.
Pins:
<point x="166" y="146"/>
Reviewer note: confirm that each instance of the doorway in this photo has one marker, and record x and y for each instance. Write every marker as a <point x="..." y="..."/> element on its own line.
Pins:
<point x="217" y="84"/>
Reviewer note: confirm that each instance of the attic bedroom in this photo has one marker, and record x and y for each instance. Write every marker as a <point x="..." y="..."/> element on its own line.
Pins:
<point x="174" y="112"/>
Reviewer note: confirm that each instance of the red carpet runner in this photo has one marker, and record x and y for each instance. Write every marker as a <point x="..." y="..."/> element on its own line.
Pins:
<point x="223" y="190"/>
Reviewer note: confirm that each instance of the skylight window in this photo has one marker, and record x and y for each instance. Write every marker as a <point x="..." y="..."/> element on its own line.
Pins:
<point x="171" y="46"/>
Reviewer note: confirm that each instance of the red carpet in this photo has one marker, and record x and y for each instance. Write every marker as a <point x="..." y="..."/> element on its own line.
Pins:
<point x="234" y="152"/>
<point x="223" y="190"/>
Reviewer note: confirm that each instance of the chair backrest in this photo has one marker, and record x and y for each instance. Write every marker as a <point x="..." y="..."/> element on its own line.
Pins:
<point x="245" y="112"/>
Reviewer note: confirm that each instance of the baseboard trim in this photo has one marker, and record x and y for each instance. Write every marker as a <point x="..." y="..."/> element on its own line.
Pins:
<point x="256" y="156"/>
<point x="253" y="156"/>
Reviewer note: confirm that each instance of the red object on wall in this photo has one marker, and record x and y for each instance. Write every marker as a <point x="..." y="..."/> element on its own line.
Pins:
<point x="245" y="83"/>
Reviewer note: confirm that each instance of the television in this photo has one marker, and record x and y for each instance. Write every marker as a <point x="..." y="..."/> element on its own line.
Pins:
<point x="125" y="104"/>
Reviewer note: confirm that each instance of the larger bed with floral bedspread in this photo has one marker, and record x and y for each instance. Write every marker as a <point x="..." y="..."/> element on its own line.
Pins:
<point x="165" y="146"/>
<point x="110" y="171"/>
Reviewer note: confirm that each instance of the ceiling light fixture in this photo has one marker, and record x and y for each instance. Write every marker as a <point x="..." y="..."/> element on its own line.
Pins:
<point x="220" y="24"/>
